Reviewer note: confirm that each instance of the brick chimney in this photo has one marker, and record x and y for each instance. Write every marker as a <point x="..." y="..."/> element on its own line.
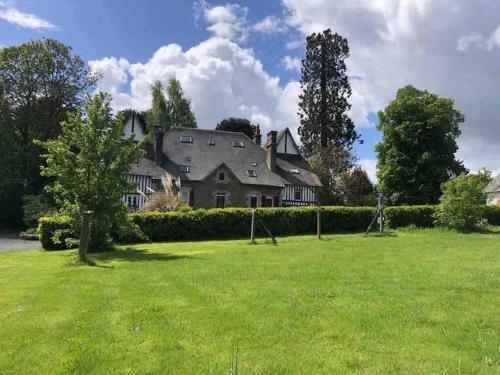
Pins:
<point x="257" y="137"/>
<point x="271" y="147"/>
<point x="158" y="144"/>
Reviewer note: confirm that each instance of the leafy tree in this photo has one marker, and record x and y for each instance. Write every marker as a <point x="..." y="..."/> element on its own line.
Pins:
<point x="88" y="162"/>
<point x="358" y="190"/>
<point x="330" y="165"/>
<point x="462" y="205"/>
<point x="417" y="152"/>
<point x="41" y="81"/>
<point x="323" y="104"/>
<point x="326" y="130"/>
<point x="235" y="124"/>
<point x="179" y="108"/>
<point x="158" y="114"/>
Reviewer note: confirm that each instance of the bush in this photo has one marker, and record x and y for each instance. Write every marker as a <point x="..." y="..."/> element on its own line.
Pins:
<point x="462" y="205"/>
<point x="55" y="232"/>
<point x="34" y="207"/>
<point x="189" y="225"/>
<point x="492" y="214"/>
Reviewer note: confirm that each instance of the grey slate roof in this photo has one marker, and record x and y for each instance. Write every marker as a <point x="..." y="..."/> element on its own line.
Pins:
<point x="286" y="162"/>
<point x="146" y="167"/>
<point x="493" y="186"/>
<point x="203" y="159"/>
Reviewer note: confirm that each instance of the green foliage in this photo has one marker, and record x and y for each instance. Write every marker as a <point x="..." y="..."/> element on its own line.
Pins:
<point x="462" y="205"/>
<point x="323" y="104"/>
<point x="235" y="124"/>
<point x="88" y="162"/>
<point x="417" y="152"/>
<point x="404" y="216"/>
<point x="54" y="231"/>
<point x="34" y="207"/>
<point x="41" y="81"/>
<point x="357" y="189"/>
<point x="492" y="214"/>
<point x="179" y="108"/>
<point x="158" y="114"/>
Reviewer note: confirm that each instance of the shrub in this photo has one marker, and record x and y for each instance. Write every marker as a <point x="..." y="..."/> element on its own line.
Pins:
<point x="462" y="204"/>
<point x="34" y="207"/>
<point x="492" y="214"/>
<point x="166" y="199"/>
<point x="417" y="216"/>
<point x="55" y="231"/>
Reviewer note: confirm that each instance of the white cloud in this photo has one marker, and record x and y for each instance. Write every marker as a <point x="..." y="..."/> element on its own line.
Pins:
<point x="270" y="25"/>
<point x="27" y="20"/>
<point x="394" y="43"/>
<point x="221" y="78"/>
<point x="225" y="21"/>
<point x="292" y="63"/>
<point x="370" y="167"/>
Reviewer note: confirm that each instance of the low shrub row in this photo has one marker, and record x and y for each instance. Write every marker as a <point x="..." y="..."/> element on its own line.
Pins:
<point x="56" y="232"/>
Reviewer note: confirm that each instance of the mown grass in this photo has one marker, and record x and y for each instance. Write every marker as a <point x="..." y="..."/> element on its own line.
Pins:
<point x="414" y="302"/>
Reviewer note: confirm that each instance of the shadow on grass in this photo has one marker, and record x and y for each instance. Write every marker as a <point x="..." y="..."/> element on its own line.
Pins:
<point x="380" y="235"/>
<point x="136" y="255"/>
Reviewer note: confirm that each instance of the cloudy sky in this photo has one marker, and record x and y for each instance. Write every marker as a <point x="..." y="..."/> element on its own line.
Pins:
<point x="242" y="58"/>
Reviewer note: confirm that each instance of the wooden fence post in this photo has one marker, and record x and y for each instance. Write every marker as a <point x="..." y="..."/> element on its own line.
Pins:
<point x="84" y="235"/>
<point x="252" y="230"/>
<point x="318" y="223"/>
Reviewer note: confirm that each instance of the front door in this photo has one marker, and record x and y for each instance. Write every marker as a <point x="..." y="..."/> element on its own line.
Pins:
<point x="221" y="201"/>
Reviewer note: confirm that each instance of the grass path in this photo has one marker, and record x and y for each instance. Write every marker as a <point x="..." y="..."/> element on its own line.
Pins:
<point x="416" y="302"/>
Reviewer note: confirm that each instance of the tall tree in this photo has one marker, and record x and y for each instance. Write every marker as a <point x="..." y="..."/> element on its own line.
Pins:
<point x="326" y="130"/>
<point x="179" y="108"/>
<point x="158" y="114"/>
<point x="324" y="104"/>
<point x="235" y="124"/>
<point x="87" y="163"/>
<point x="358" y="190"/>
<point x="41" y="82"/>
<point x="417" y="152"/>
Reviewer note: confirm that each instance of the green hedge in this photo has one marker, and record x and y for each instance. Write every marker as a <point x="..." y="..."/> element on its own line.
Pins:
<point x="235" y="223"/>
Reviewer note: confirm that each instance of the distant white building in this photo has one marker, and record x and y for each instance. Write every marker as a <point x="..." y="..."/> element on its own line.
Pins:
<point x="492" y="191"/>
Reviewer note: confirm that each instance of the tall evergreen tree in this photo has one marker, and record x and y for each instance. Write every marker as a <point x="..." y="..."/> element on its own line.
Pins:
<point x="158" y="114"/>
<point x="417" y="152"/>
<point x="326" y="130"/>
<point x="323" y="105"/>
<point x="179" y="108"/>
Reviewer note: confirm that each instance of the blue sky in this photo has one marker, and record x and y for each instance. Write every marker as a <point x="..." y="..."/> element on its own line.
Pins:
<point x="241" y="58"/>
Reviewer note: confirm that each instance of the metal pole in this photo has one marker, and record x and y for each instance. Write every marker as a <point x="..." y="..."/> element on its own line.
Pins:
<point x="252" y="230"/>
<point x="318" y="224"/>
<point x="84" y="235"/>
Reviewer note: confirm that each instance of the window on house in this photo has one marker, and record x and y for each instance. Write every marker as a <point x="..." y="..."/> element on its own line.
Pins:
<point x="211" y="142"/>
<point x="253" y="201"/>
<point x="222" y="177"/>
<point x="252" y="173"/>
<point x="220" y="201"/>
<point x="294" y="171"/>
<point x="297" y="194"/>
<point x="184" y="168"/>
<point x="186" y="139"/>
<point x="184" y="194"/>
<point x="239" y="144"/>
<point x="254" y="164"/>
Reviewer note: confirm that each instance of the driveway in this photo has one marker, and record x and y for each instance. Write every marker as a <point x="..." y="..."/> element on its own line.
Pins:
<point x="9" y="241"/>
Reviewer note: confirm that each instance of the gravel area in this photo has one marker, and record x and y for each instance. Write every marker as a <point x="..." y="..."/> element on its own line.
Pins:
<point x="9" y="241"/>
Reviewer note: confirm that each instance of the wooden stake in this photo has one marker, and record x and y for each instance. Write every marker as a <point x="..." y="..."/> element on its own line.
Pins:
<point x="382" y="220"/>
<point x="84" y="236"/>
<point x="252" y="230"/>
<point x="318" y="223"/>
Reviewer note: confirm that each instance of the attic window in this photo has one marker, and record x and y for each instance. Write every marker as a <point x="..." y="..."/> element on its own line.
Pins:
<point x="211" y="142"/>
<point x="239" y="144"/>
<point x="294" y="171"/>
<point x="184" y="168"/>
<point x="254" y="164"/>
<point x="252" y="173"/>
<point x="186" y="139"/>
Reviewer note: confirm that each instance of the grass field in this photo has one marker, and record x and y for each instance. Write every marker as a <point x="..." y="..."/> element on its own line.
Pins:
<point x="413" y="302"/>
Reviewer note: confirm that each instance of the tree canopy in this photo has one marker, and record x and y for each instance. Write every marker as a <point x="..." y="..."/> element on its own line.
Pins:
<point x="417" y="152"/>
<point x="179" y="108"/>
<point x="236" y="124"/>
<point x="88" y="162"/>
<point x="158" y="114"/>
<point x="41" y="81"/>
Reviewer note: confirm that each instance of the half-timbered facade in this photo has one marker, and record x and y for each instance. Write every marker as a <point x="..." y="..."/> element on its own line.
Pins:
<point x="217" y="169"/>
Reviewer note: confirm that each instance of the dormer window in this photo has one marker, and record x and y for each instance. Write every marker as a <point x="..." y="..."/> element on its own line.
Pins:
<point x="239" y="144"/>
<point x="254" y="164"/>
<point x="294" y="171"/>
<point x="186" y="139"/>
<point x="184" y="168"/>
<point x="222" y="176"/>
<point x="252" y="173"/>
<point x="211" y="142"/>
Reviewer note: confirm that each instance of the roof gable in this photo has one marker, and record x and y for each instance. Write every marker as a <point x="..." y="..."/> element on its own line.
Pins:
<point x="493" y="186"/>
<point x="286" y="143"/>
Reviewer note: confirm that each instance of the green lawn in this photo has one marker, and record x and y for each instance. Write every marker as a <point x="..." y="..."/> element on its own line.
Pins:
<point x="414" y="302"/>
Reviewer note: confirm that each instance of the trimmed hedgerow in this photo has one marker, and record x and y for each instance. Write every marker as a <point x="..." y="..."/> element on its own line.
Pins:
<point x="235" y="223"/>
